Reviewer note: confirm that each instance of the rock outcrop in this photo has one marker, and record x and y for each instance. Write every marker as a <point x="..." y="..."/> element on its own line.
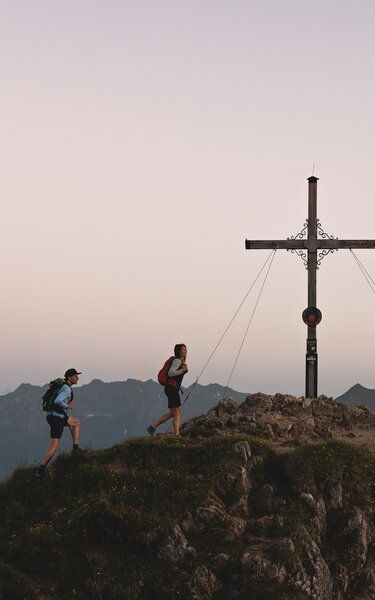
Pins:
<point x="287" y="421"/>
<point x="311" y="542"/>
<point x="269" y="499"/>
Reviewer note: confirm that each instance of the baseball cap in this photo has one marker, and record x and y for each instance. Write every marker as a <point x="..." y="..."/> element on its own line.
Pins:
<point x="71" y="372"/>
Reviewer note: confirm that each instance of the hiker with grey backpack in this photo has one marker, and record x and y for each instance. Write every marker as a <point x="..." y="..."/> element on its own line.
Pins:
<point x="171" y="376"/>
<point x="57" y="400"/>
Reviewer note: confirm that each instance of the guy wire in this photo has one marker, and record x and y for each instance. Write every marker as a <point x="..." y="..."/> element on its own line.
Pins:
<point x="235" y="314"/>
<point x="365" y="273"/>
<point x="229" y="324"/>
<point x="249" y="323"/>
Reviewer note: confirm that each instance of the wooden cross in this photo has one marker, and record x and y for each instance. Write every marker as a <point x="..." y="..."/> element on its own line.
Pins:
<point x="307" y="248"/>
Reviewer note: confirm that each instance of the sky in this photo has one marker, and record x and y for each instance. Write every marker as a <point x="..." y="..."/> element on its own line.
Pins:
<point x="141" y="143"/>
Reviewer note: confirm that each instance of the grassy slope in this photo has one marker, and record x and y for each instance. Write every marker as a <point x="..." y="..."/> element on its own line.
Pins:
<point x="92" y="528"/>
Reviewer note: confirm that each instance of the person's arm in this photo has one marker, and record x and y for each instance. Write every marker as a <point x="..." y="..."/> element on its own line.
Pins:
<point x="177" y="368"/>
<point x="64" y="397"/>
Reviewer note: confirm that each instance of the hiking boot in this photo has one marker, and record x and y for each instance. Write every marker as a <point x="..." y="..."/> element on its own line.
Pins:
<point x="78" y="450"/>
<point x="151" y="430"/>
<point x="40" y="472"/>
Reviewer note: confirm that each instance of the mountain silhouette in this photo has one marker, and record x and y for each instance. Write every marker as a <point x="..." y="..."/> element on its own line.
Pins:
<point x="358" y="395"/>
<point x="109" y="413"/>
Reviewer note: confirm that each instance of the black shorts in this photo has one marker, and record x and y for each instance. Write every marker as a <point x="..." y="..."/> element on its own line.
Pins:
<point x="57" y="425"/>
<point x="173" y="396"/>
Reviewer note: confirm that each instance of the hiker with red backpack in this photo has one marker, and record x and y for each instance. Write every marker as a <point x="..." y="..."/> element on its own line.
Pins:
<point x="171" y="376"/>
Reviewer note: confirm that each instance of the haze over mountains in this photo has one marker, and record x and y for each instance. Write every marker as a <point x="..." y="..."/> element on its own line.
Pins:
<point x="270" y="498"/>
<point x="358" y="395"/>
<point x="110" y="413"/>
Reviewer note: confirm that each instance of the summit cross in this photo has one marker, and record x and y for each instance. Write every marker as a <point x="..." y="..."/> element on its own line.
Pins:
<point x="307" y="248"/>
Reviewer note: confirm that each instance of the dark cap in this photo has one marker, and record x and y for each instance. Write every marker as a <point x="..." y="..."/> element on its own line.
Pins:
<point x="71" y="372"/>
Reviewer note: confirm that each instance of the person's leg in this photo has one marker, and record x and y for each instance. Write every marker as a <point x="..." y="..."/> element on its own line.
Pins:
<point x="57" y="427"/>
<point x="51" y="451"/>
<point x="175" y="406"/>
<point x="75" y="426"/>
<point x="176" y="419"/>
<point x="163" y="419"/>
<point x="152" y="428"/>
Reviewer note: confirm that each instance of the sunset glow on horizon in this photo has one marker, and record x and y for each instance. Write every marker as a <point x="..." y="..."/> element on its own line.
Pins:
<point x="141" y="144"/>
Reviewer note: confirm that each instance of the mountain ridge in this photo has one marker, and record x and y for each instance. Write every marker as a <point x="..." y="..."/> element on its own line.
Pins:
<point x="109" y="411"/>
<point x="358" y="394"/>
<point x="260" y="499"/>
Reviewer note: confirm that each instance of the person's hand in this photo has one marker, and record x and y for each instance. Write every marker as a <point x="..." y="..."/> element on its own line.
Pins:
<point x="70" y="405"/>
<point x="185" y="368"/>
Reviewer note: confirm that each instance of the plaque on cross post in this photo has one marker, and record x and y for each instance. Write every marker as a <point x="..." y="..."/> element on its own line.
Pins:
<point x="311" y="244"/>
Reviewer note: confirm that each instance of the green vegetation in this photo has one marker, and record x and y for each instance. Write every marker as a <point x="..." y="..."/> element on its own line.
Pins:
<point x="13" y="585"/>
<point x="93" y="528"/>
<point x="326" y="465"/>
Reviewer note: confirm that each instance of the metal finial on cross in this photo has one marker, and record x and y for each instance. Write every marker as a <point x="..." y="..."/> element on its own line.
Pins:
<point x="307" y="248"/>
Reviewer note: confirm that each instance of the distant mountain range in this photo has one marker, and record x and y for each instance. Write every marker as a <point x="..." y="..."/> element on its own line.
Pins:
<point x="109" y="413"/>
<point x="359" y="395"/>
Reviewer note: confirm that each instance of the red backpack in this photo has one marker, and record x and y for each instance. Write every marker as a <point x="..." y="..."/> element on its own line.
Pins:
<point x="163" y="378"/>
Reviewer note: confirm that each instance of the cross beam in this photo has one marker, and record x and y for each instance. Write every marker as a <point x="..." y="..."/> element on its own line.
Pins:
<point x="307" y="248"/>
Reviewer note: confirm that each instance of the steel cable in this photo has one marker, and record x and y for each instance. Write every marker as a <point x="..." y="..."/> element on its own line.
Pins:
<point x="249" y="323"/>
<point x="364" y="271"/>
<point x="271" y="254"/>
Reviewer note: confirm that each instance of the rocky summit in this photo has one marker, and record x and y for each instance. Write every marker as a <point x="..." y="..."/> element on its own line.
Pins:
<point x="286" y="421"/>
<point x="272" y="498"/>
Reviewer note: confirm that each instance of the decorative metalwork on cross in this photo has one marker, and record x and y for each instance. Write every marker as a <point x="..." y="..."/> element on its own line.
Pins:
<point x="312" y="249"/>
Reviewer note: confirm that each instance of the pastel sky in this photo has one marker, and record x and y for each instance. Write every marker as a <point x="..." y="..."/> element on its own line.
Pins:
<point x="141" y="142"/>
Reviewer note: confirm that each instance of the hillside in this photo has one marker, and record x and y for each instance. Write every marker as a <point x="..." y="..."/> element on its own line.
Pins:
<point x="246" y="504"/>
<point x="109" y="413"/>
